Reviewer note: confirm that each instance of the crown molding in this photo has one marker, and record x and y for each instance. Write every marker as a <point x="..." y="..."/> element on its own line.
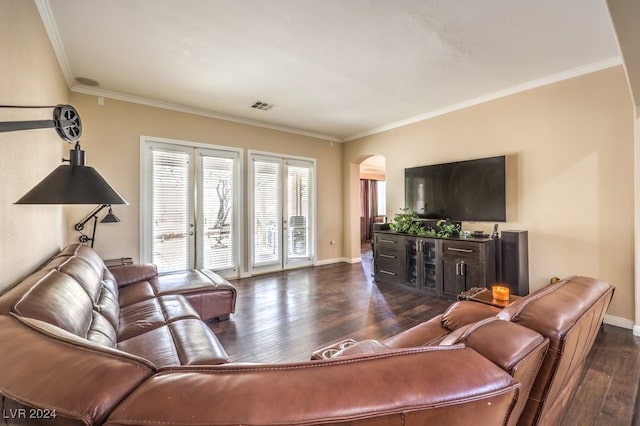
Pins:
<point x="198" y="111"/>
<point x="554" y="78"/>
<point x="46" y="14"/>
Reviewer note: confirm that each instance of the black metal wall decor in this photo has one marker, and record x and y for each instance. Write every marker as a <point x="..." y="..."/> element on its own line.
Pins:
<point x="110" y="217"/>
<point x="66" y="121"/>
<point x="73" y="183"/>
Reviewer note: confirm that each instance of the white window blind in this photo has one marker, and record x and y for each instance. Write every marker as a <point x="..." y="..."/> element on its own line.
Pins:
<point x="171" y="224"/>
<point x="218" y="251"/>
<point x="298" y="210"/>
<point x="266" y="211"/>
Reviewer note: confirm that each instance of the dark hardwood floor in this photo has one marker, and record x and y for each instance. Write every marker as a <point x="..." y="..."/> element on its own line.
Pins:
<point x="283" y="317"/>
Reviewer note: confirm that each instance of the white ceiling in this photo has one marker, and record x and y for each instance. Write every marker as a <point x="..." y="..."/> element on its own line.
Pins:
<point x="335" y="69"/>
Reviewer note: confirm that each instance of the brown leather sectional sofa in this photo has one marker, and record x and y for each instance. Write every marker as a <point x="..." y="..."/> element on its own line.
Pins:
<point x="90" y="345"/>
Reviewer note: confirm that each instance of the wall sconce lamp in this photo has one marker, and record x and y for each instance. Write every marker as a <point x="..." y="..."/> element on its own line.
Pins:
<point x="110" y="217"/>
<point x="73" y="183"/>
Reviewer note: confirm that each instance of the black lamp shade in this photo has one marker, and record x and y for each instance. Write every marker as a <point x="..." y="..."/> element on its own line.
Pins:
<point x="72" y="184"/>
<point x="110" y="217"/>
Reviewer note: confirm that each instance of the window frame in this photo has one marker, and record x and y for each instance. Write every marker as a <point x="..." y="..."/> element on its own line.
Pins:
<point x="293" y="263"/>
<point x="145" y="246"/>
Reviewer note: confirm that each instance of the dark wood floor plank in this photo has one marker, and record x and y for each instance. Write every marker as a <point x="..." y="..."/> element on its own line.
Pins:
<point x="284" y="317"/>
<point x="591" y="392"/>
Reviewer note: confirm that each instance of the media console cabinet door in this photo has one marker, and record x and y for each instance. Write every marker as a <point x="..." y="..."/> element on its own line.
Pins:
<point x="444" y="267"/>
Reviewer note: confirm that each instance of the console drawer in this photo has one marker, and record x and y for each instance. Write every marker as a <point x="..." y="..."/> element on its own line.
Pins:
<point x="387" y="242"/>
<point x="389" y="256"/>
<point x="389" y="269"/>
<point x="462" y="250"/>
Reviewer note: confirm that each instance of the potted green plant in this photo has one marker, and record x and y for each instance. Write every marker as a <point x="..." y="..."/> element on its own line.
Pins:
<point x="447" y="230"/>
<point x="407" y="221"/>
<point x="443" y="230"/>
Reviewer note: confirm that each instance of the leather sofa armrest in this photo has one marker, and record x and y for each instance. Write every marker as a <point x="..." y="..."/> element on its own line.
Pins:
<point x="131" y="274"/>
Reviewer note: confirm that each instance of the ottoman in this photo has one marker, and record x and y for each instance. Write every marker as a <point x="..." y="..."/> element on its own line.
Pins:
<point x="210" y="295"/>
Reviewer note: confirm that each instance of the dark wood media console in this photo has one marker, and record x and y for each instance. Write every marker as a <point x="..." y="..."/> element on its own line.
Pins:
<point x="442" y="266"/>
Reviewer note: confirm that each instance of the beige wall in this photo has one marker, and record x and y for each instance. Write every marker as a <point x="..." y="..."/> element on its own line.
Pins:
<point x="570" y="173"/>
<point x="112" y="142"/>
<point x="30" y="75"/>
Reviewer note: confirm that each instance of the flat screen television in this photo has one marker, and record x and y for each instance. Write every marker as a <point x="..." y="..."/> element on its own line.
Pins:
<point x="473" y="190"/>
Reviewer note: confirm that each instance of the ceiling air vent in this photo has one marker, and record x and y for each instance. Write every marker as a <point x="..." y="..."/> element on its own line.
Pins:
<point x="262" y="106"/>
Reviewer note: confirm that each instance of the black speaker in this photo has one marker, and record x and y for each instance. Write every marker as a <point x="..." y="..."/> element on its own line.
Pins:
<point x="515" y="261"/>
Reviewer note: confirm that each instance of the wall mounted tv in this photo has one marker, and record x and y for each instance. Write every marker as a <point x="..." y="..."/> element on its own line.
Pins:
<point x="473" y="190"/>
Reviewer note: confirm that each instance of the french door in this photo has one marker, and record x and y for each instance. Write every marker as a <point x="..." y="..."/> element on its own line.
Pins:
<point x="281" y="222"/>
<point x="190" y="210"/>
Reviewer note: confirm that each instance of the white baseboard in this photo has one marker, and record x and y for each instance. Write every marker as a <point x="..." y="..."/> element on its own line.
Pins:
<point x="336" y="260"/>
<point x="329" y="261"/>
<point x="322" y="262"/>
<point x="622" y="322"/>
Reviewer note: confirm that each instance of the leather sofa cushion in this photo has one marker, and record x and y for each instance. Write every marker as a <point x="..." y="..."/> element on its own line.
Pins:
<point x="101" y="332"/>
<point x="466" y="312"/>
<point x="503" y="342"/>
<point x="209" y="293"/>
<point x="85" y="253"/>
<point x="148" y="314"/>
<point x="107" y="306"/>
<point x="437" y="328"/>
<point x="134" y="293"/>
<point x="60" y="300"/>
<point x="424" y="334"/>
<point x="183" y="342"/>
<point x="88" y="277"/>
